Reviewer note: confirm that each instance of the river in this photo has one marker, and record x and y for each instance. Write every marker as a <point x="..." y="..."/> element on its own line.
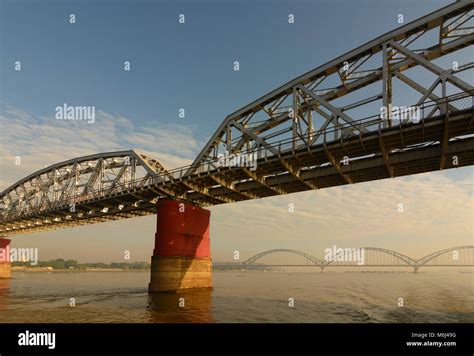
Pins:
<point x="252" y="296"/>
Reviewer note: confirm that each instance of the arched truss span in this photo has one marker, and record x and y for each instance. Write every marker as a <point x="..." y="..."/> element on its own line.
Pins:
<point x="348" y="255"/>
<point x="425" y="260"/>
<point x="260" y="255"/>
<point x="403" y="259"/>
<point x="60" y="193"/>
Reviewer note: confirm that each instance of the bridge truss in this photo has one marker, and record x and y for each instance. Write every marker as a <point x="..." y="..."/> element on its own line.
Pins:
<point x="89" y="189"/>
<point x="460" y="256"/>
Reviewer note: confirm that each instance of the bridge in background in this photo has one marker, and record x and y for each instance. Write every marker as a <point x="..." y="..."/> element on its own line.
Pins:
<point x="314" y="132"/>
<point x="460" y="256"/>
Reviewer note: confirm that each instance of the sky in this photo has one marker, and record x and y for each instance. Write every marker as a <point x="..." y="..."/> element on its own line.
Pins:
<point x="190" y="66"/>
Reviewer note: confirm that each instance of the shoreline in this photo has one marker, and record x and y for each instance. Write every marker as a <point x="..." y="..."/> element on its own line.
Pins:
<point x="46" y="269"/>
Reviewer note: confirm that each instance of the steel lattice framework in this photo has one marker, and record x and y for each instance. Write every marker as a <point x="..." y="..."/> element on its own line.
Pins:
<point x="312" y="260"/>
<point x="60" y="195"/>
<point x="463" y="257"/>
<point x="301" y="136"/>
<point x="395" y="258"/>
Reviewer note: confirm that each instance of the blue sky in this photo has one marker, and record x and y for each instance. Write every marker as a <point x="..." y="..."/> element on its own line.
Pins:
<point x="190" y="66"/>
<point x="177" y="65"/>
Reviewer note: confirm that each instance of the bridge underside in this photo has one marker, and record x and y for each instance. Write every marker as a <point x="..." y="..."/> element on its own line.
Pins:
<point x="438" y="143"/>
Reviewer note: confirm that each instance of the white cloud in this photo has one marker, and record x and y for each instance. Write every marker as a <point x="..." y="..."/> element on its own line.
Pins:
<point x="42" y="141"/>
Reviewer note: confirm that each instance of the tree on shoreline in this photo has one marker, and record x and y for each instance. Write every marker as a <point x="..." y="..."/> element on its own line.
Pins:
<point x="60" y="263"/>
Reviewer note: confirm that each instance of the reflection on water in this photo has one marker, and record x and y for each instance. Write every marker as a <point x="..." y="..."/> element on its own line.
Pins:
<point x="4" y="293"/>
<point x="122" y="297"/>
<point x="185" y="307"/>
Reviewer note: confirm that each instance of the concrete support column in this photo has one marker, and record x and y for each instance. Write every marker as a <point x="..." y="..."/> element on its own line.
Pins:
<point x="5" y="265"/>
<point x="182" y="256"/>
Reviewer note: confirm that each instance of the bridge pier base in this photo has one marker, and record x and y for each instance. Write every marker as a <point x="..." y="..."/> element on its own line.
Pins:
<point x="5" y="265"/>
<point x="182" y="256"/>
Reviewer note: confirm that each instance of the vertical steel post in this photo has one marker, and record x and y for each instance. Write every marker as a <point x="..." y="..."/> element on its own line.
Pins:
<point x="387" y="87"/>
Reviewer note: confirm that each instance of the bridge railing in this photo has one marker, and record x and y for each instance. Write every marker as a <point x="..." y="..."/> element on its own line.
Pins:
<point x="417" y="114"/>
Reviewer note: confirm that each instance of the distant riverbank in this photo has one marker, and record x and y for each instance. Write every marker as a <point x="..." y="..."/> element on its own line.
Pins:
<point x="47" y="269"/>
<point x="62" y="265"/>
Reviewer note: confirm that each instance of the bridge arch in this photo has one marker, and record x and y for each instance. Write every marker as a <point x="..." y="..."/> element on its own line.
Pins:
<point x="402" y="260"/>
<point x="406" y="260"/>
<point x="428" y="258"/>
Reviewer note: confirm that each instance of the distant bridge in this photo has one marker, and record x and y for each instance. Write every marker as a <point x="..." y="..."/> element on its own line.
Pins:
<point x="310" y="133"/>
<point x="460" y="256"/>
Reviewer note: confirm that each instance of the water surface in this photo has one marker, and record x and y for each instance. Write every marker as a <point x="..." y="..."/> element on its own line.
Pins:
<point x="252" y="296"/>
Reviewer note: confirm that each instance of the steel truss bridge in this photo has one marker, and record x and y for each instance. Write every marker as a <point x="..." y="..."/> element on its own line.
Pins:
<point x="460" y="256"/>
<point x="311" y="133"/>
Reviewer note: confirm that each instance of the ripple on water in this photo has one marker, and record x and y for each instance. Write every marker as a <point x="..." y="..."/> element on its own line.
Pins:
<point x="256" y="297"/>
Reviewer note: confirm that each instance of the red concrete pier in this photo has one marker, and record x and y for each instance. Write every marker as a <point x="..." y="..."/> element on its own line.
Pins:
<point x="5" y="264"/>
<point x="182" y="256"/>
